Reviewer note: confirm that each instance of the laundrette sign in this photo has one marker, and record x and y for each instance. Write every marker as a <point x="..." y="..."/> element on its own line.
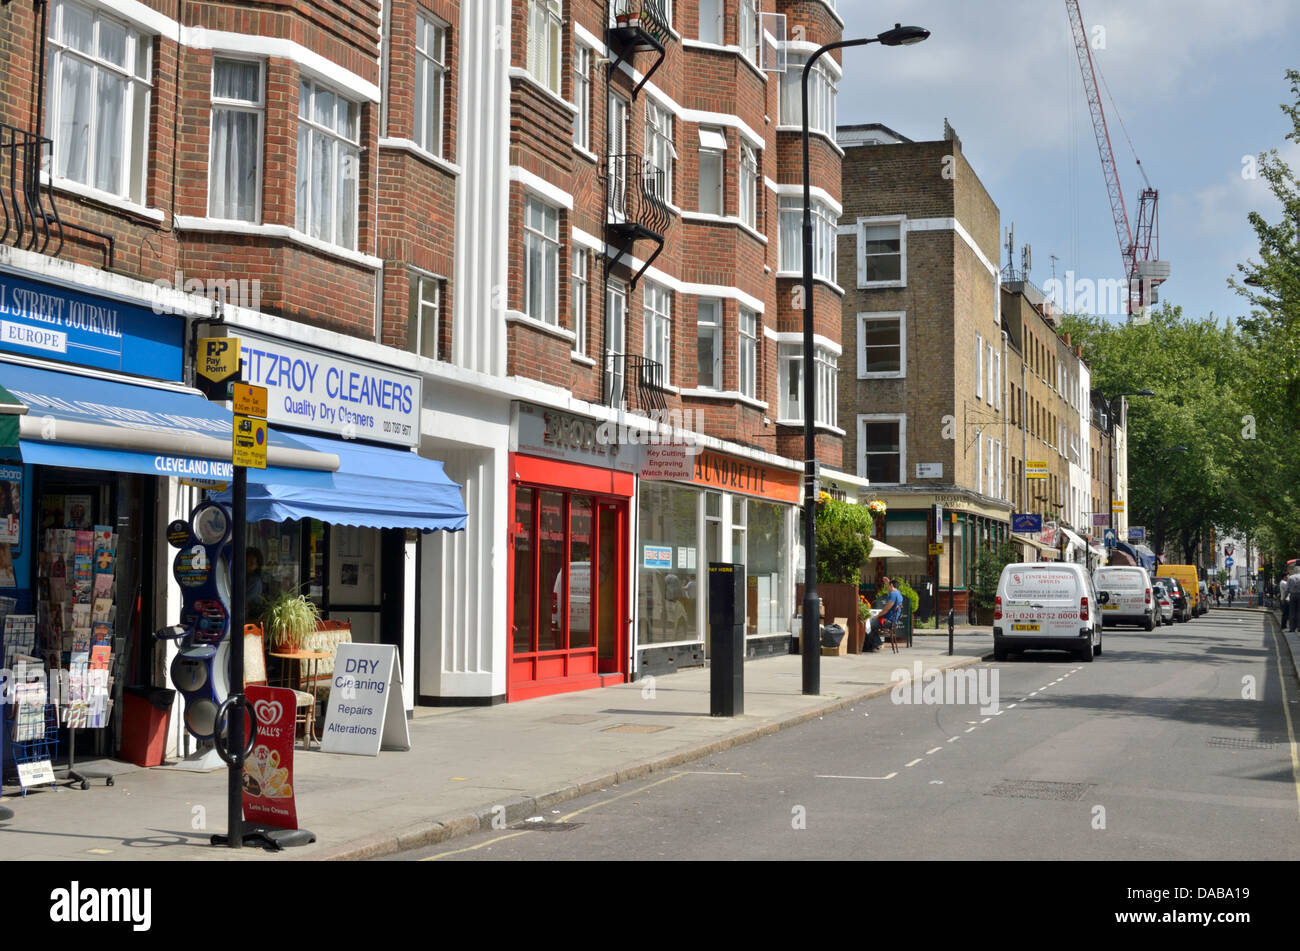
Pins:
<point x="47" y="321"/>
<point x="322" y="391"/>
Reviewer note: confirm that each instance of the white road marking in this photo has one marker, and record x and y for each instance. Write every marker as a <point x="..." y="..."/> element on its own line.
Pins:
<point x="890" y="776"/>
<point x="969" y="730"/>
<point x="986" y="720"/>
<point x="914" y="762"/>
<point x="935" y="750"/>
<point x="1011" y="705"/>
<point x="704" y="772"/>
<point x="953" y="739"/>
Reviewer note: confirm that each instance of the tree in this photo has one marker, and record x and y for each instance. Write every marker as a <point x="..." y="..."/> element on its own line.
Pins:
<point x="1271" y="337"/>
<point x="843" y="541"/>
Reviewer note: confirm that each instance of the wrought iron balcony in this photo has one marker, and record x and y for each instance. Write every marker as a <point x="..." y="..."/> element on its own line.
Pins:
<point x="637" y="26"/>
<point x="637" y="205"/>
<point x="27" y="213"/>
<point x="634" y="382"/>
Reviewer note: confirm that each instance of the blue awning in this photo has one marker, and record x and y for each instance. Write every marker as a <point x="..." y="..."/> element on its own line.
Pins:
<point x="373" y="488"/>
<point x="88" y="422"/>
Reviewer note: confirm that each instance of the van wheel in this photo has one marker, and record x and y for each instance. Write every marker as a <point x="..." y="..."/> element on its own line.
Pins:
<point x="999" y="655"/>
<point x="1099" y="640"/>
<point x="1086" y="656"/>
<point x="1150" y="625"/>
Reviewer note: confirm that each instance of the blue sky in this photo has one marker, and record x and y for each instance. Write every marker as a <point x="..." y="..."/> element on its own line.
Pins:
<point x="1198" y="84"/>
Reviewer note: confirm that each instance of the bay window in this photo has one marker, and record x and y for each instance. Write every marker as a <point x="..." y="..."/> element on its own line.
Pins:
<point x="329" y="165"/>
<point x="825" y="233"/>
<point x="100" y="89"/>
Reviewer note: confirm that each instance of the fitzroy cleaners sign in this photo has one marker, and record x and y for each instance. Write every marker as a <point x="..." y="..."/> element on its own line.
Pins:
<point x="311" y="389"/>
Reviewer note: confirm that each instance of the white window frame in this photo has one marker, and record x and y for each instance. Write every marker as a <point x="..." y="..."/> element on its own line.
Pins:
<point x="420" y="281"/>
<point x="979" y="366"/>
<point x="548" y="246"/>
<point x="748" y="185"/>
<point x="579" y="292"/>
<point x="712" y="153"/>
<point x="747" y="353"/>
<point x="430" y="70"/>
<point x="990" y="355"/>
<point x="823" y="91"/>
<point x="657" y="307"/>
<point x="789" y="409"/>
<point x="882" y="317"/>
<point x="748" y="31"/>
<point x="660" y="151"/>
<point x="342" y="149"/>
<point x="545" y="42"/>
<point x="827" y="366"/>
<point x="715" y="32"/>
<point x="881" y="221"/>
<point x="901" y="420"/>
<point x="582" y="96"/>
<point x="979" y="461"/>
<point x="708" y="323"/>
<point x="255" y="107"/>
<point x="825" y="224"/>
<point x="615" y="369"/>
<point x="132" y="183"/>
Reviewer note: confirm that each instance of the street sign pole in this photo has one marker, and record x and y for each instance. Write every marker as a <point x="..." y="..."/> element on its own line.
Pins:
<point x="235" y="776"/>
<point x="952" y="557"/>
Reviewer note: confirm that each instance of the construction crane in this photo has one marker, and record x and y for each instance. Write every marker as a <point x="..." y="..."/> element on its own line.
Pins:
<point x="1139" y="248"/>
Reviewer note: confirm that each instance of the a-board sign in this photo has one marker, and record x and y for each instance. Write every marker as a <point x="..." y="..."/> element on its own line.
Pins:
<point x="364" y="712"/>
<point x="268" y="771"/>
<point x="249" y="435"/>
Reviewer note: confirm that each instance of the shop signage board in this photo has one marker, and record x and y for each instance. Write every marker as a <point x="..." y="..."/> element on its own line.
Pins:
<point x="53" y="323"/>
<point x="717" y="471"/>
<point x="268" y="772"/>
<point x="1100" y="519"/>
<point x="553" y="434"/>
<point x="1117" y="506"/>
<point x="1026" y="522"/>
<point x="364" y="711"/>
<point x="673" y="462"/>
<point x="1137" y="533"/>
<point x="249" y="438"/>
<point x="329" y="393"/>
<point x="929" y="470"/>
<point x="217" y="366"/>
<point x="1036" y="469"/>
<point x="38" y="773"/>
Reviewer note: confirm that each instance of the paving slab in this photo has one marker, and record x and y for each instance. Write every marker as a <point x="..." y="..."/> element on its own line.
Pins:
<point x="466" y="766"/>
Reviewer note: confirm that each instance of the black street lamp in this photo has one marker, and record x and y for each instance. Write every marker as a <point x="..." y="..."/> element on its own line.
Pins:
<point x="1160" y="535"/>
<point x="1110" y="411"/>
<point x="811" y="650"/>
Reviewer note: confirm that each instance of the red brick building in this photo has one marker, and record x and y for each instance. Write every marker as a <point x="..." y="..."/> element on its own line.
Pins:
<point x="539" y="216"/>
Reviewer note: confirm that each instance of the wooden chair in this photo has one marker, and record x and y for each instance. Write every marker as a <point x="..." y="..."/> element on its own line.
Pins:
<point x="255" y="676"/>
<point x="316" y="676"/>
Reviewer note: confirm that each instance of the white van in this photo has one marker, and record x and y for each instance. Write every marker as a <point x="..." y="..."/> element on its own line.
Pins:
<point x="1046" y="606"/>
<point x="1126" y="596"/>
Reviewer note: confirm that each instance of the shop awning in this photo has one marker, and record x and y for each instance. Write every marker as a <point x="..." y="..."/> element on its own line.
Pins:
<point x="374" y="487"/>
<point x="10" y="409"/>
<point x="1036" y="545"/>
<point x="83" y="421"/>
<point x="1074" y="540"/>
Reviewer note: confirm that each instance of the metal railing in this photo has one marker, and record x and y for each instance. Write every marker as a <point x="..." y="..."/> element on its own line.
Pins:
<point x="637" y="196"/>
<point x="634" y="382"/>
<point x="27" y="213"/>
<point x="651" y="16"/>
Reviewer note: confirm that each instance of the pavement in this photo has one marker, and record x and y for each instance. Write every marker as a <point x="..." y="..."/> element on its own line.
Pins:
<point x="467" y="766"/>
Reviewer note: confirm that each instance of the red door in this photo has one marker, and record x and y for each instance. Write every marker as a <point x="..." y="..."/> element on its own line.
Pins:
<point x="568" y="591"/>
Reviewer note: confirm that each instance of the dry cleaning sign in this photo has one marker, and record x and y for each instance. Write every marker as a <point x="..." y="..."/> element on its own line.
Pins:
<point x="364" y="712"/>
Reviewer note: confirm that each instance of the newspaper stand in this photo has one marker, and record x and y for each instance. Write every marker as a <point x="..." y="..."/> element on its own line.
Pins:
<point x="22" y="752"/>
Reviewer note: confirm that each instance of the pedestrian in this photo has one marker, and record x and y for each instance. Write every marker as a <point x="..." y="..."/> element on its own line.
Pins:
<point x="1293" y="600"/>
<point x="895" y="604"/>
<point x="1283" y="587"/>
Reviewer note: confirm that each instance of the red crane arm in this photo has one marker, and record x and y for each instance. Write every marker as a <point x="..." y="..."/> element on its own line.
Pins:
<point x="1099" y="128"/>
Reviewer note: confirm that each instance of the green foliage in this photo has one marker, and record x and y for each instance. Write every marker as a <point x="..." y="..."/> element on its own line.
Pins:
<point x="907" y="592"/>
<point x="988" y="571"/>
<point x="843" y="541"/>
<point x="288" y="620"/>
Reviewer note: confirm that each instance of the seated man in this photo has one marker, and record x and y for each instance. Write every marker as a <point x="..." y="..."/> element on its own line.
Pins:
<point x="895" y="604"/>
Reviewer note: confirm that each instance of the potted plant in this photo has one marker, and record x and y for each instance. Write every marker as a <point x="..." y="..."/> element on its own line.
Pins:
<point x="621" y="19"/>
<point x="288" y="621"/>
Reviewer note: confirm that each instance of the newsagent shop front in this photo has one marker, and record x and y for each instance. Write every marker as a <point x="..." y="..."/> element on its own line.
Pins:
<point x="570" y="496"/>
<point x="96" y="426"/>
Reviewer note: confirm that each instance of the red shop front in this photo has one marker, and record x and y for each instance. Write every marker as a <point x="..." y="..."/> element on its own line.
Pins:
<point x="568" y="574"/>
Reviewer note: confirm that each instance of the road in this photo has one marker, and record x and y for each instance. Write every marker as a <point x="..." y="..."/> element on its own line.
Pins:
<point x="1174" y="744"/>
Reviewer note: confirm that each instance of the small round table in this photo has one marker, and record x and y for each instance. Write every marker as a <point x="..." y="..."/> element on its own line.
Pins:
<point x="315" y="657"/>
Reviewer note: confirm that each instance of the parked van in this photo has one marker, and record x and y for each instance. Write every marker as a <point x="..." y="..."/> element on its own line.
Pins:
<point x="1125" y="595"/>
<point x="1046" y="606"/>
<point x="1187" y="577"/>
